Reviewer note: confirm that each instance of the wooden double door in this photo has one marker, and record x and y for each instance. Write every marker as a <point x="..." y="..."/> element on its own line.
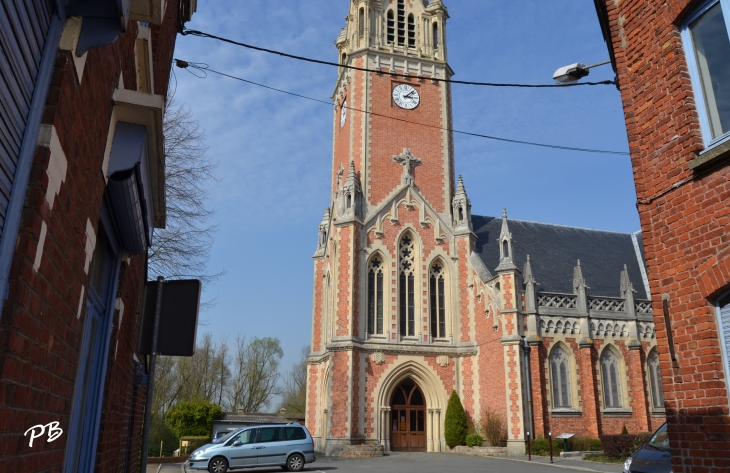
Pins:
<point x="408" y="419"/>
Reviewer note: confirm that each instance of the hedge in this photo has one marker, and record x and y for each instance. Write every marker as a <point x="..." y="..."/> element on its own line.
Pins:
<point x="193" y="444"/>
<point x="541" y="447"/>
<point x="622" y="446"/>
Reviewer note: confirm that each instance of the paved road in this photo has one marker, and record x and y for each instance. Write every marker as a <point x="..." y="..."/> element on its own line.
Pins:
<point x="444" y="463"/>
<point x="434" y="463"/>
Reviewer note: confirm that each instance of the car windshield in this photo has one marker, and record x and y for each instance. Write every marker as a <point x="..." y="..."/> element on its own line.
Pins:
<point x="226" y="437"/>
<point x="660" y="439"/>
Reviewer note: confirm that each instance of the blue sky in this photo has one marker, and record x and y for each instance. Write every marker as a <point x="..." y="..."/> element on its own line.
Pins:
<point x="274" y="151"/>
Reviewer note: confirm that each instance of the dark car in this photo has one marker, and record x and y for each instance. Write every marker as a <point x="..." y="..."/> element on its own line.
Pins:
<point x="653" y="456"/>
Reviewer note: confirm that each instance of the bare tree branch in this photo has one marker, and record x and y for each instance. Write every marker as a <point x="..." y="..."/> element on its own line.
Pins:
<point x="182" y="249"/>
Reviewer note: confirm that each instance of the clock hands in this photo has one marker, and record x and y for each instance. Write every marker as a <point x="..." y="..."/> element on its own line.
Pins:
<point x="410" y="95"/>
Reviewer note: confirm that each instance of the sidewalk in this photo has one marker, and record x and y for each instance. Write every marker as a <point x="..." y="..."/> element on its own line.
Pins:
<point x="567" y="463"/>
<point x="165" y="468"/>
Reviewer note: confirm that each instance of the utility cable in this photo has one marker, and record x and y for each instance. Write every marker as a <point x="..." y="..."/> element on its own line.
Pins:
<point x="202" y="34"/>
<point x="203" y="68"/>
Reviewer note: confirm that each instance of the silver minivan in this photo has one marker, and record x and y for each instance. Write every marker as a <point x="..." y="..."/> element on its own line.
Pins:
<point x="289" y="446"/>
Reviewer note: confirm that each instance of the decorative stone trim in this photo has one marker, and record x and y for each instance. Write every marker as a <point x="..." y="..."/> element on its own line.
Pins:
<point x="443" y="361"/>
<point x="378" y="357"/>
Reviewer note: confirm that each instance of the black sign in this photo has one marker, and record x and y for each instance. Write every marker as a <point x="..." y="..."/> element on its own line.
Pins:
<point x="178" y="318"/>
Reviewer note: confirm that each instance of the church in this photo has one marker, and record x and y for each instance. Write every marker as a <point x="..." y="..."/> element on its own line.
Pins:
<point x="414" y="297"/>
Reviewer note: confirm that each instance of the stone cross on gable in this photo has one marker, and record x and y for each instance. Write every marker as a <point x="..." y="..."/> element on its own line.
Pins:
<point x="408" y="161"/>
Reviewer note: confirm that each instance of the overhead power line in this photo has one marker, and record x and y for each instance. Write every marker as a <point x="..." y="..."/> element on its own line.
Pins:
<point x="205" y="69"/>
<point x="202" y="34"/>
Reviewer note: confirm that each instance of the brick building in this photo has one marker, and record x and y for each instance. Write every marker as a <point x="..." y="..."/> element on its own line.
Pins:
<point x="414" y="297"/>
<point x="82" y="94"/>
<point x="671" y="58"/>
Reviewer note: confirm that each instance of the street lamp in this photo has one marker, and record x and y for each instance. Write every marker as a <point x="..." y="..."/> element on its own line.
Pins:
<point x="573" y="73"/>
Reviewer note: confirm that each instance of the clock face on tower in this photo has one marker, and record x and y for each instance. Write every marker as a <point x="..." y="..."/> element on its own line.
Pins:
<point x="405" y="96"/>
<point x="343" y="114"/>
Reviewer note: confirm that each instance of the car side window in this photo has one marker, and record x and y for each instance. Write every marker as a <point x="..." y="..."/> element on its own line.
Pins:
<point x="294" y="433"/>
<point x="271" y="434"/>
<point x="245" y="437"/>
<point x="660" y="439"/>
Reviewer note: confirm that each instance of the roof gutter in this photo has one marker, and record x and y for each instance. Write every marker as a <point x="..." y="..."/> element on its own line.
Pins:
<point x="602" y="13"/>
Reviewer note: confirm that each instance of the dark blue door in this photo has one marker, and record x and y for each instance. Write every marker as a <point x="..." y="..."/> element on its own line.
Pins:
<point x="89" y="391"/>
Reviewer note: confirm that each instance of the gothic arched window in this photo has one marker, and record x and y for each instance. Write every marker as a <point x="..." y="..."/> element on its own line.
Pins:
<point x="411" y="31"/>
<point x="361" y="23"/>
<point x="438" y="301"/>
<point x="560" y="376"/>
<point x="435" y="35"/>
<point x="406" y="286"/>
<point x="611" y="377"/>
<point x="391" y="27"/>
<point x="655" y="379"/>
<point x="375" y="296"/>
<point x="401" y="22"/>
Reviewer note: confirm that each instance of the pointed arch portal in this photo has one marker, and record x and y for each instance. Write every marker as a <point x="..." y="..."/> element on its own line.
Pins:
<point x="408" y="418"/>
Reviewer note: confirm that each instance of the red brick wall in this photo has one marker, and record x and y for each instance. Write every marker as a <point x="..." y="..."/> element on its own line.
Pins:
<point x="388" y="137"/>
<point x="40" y="335"/>
<point x="684" y="227"/>
<point x="341" y="380"/>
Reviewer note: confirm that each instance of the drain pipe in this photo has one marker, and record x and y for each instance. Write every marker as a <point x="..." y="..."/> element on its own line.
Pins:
<point x="526" y="349"/>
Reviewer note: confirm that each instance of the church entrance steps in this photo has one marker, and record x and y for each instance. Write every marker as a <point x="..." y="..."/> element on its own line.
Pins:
<point x="362" y="451"/>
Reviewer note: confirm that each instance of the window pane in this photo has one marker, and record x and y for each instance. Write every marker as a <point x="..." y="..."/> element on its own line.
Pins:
<point x="411" y="306"/>
<point x="380" y="303"/>
<point x="434" y="309"/>
<point x="247" y="436"/>
<point x="556" y="390"/>
<point x="442" y="309"/>
<point x="564" y="399"/>
<point x="712" y="49"/>
<point x="403" y="304"/>
<point x="295" y="433"/>
<point x="270" y="434"/>
<point x="371" y="301"/>
<point x="413" y="425"/>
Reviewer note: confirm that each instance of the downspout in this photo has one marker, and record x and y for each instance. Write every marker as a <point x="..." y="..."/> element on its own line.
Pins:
<point x="526" y="350"/>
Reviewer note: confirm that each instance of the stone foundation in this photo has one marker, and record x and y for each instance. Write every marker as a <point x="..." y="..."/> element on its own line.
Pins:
<point x="362" y="451"/>
<point x="480" y="451"/>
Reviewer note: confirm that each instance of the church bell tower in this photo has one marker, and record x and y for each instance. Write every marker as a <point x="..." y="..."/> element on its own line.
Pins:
<point x="389" y="230"/>
<point x="400" y="106"/>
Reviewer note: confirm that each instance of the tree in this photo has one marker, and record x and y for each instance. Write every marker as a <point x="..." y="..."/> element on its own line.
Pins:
<point x="456" y="425"/>
<point x="294" y="395"/>
<point x="255" y="373"/>
<point x="182" y="249"/>
<point x="205" y="375"/>
<point x="193" y="418"/>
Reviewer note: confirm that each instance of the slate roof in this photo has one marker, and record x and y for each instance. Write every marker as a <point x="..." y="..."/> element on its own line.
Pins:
<point x="255" y="419"/>
<point x="554" y="251"/>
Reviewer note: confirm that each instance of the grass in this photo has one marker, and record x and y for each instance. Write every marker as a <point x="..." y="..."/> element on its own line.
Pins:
<point x="601" y="458"/>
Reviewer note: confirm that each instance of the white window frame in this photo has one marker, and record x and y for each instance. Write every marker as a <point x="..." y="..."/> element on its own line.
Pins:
<point x="723" y="347"/>
<point x="694" y="73"/>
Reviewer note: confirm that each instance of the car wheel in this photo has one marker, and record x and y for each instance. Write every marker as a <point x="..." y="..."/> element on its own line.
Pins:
<point x="295" y="462"/>
<point x="218" y="465"/>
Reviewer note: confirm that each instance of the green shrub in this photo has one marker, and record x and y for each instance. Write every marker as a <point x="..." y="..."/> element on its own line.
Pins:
<point x="541" y="446"/>
<point x="584" y="444"/>
<point x="494" y="426"/>
<point x="624" y="431"/>
<point x="474" y="440"/>
<point x="193" y="444"/>
<point x="456" y="425"/>
<point x="193" y="418"/>
<point x="622" y="446"/>
<point x="160" y="433"/>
